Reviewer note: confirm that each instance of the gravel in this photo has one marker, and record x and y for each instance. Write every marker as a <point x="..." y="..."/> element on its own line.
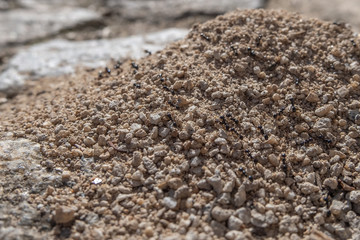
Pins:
<point x="241" y="130"/>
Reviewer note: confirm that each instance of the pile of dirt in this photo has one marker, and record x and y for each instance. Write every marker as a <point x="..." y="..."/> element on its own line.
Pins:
<point x="248" y="128"/>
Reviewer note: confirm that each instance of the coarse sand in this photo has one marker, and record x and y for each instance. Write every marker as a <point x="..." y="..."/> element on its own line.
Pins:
<point x="246" y="129"/>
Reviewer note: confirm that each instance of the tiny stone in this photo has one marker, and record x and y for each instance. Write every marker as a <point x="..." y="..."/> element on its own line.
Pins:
<point x="216" y="183"/>
<point x="89" y="141"/>
<point x="240" y="196"/>
<point x="308" y="188"/>
<point x="258" y="219"/>
<point x="336" y="207"/>
<point x="170" y="202"/>
<point x="312" y="97"/>
<point x="235" y="235"/>
<point x="273" y="160"/>
<point x="322" y="111"/>
<point x="331" y="183"/>
<point x="155" y="118"/>
<point x="220" y="214"/>
<point x="244" y="215"/>
<point x="343" y="91"/>
<point x="234" y="223"/>
<point x="64" y="214"/>
<point x="355" y="196"/>
<point x="272" y="140"/>
<point x="322" y="123"/>
<point x="65" y="176"/>
<point x="175" y="183"/>
<point x="182" y="192"/>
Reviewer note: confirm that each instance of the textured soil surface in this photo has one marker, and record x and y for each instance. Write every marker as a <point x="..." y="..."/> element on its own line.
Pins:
<point x="246" y="129"/>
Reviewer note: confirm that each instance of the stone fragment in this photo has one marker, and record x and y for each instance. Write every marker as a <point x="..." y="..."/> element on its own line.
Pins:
<point x="331" y="183"/>
<point x="170" y="202"/>
<point x="274" y="160"/>
<point x="234" y="223"/>
<point x="89" y="141"/>
<point x="235" y="235"/>
<point x="289" y="224"/>
<point x="336" y="207"/>
<point x="182" y="192"/>
<point x="355" y="196"/>
<point x="64" y="214"/>
<point x="258" y="219"/>
<point x="155" y="118"/>
<point x="312" y="97"/>
<point x="343" y="91"/>
<point x="323" y="110"/>
<point x="175" y="183"/>
<point x="322" y="123"/>
<point x="308" y="188"/>
<point x="216" y="183"/>
<point x="220" y="214"/>
<point x="240" y="196"/>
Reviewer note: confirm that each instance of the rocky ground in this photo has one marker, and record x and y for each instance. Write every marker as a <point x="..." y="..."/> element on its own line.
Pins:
<point x="155" y="148"/>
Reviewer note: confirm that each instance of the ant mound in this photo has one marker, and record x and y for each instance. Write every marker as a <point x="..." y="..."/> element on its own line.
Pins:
<point x="246" y="129"/>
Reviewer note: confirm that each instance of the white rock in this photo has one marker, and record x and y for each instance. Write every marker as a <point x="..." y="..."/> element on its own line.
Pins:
<point x="170" y="202"/>
<point x="343" y="91"/>
<point x="234" y="235"/>
<point x="355" y="196"/>
<point x="59" y="57"/>
<point x="155" y="118"/>
<point x="336" y="207"/>
<point x="240" y="196"/>
<point x="220" y="214"/>
<point x="20" y="153"/>
<point x="216" y="183"/>
<point x="308" y="188"/>
<point x="234" y="223"/>
<point x="243" y="214"/>
<point x="323" y="123"/>
<point x="220" y="141"/>
<point x="163" y="132"/>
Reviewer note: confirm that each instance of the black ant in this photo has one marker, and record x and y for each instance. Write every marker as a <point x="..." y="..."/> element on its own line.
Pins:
<point x="241" y="169"/>
<point x="258" y="40"/>
<point x="117" y="65"/>
<point x="204" y="37"/>
<point x="263" y="132"/>
<point x="284" y="166"/>
<point x="147" y="52"/>
<point x="328" y="141"/>
<point x="251" y="52"/>
<point x="293" y="108"/>
<point x="234" y="50"/>
<point x="235" y="120"/>
<point x="279" y="113"/>
<point x="134" y="65"/>
<point x="306" y="141"/>
<point x="108" y="70"/>
<point x="137" y="85"/>
<point x="353" y="42"/>
<point x="250" y="156"/>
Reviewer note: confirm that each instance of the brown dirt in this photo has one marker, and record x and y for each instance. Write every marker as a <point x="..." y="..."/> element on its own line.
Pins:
<point x="248" y="128"/>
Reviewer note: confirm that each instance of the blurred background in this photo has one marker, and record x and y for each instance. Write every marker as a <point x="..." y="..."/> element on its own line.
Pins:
<point x="50" y="38"/>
